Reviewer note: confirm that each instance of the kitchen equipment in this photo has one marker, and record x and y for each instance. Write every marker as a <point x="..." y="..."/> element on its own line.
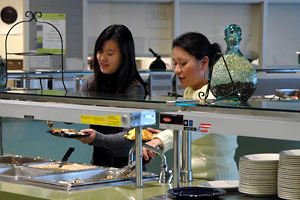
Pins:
<point x="19" y="172"/>
<point x="66" y="156"/>
<point x="233" y="77"/>
<point x="165" y="175"/>
<point x="289" y="94"/>
<point x="21" y="160"/>
<point x="68" y="166"/>
<point x="85" y="179"/>
<point x="124" y="171"/>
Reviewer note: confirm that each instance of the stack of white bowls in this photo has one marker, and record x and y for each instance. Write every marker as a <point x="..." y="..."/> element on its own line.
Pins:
<point x="258" y="174"/>
<point x="289" y="174"/>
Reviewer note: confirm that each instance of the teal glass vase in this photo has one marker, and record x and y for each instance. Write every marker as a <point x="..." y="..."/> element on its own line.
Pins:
<point x="3" y="75"/>
<point x="233" y="77"/>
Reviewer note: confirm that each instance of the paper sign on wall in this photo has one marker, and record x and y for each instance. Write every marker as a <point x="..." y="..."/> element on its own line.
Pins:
<point x="48" y="39"/>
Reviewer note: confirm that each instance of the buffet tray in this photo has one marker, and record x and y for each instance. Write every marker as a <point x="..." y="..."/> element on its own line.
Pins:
<point x="78" y="179"/>
<point x="21" y="160"/>
<point x="26" y="172"/>
<point x="293" y="94"/>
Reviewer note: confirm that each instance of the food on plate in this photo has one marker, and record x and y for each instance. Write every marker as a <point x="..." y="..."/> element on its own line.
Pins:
<point x="109" y="177"/>
<point x="65" y="167"/>
<point x="67" y="131"/>
<point x="146" y="135"/>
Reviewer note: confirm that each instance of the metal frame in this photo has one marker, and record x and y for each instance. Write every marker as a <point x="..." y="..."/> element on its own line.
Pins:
<point x="34" y="16"/>
<point x="279" y="127"/>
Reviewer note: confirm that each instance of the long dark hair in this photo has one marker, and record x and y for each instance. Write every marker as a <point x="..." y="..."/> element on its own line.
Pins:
<point x="126" y="73"/>
<point x="198" y="46"/>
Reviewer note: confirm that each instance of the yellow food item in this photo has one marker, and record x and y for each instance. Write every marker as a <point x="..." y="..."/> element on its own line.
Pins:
<point x="146" y="135"/>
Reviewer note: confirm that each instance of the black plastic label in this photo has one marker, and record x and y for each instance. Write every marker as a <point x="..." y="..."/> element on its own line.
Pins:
<point x="171" y="119"/>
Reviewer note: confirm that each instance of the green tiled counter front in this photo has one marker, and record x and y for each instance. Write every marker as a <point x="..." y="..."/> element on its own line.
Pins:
<point x="13" y="191"/>
<point x="128" y="191"/>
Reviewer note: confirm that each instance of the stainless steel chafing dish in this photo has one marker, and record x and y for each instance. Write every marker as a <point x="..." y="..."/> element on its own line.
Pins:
<point x="24" y="170"/>
<point x="293" y="94"/>
<point x="21" y="160"/>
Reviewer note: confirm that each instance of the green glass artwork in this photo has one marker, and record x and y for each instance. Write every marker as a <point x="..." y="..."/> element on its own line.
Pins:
<point x="239" y="81"/>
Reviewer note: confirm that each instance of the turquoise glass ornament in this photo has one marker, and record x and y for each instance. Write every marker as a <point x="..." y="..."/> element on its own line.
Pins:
<point x="235" y="79"/>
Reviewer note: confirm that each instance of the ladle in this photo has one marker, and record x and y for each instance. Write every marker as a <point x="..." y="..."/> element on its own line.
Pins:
<point x="66" y="156"/>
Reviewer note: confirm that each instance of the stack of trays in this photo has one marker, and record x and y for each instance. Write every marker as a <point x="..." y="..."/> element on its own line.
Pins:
<point x="289" y="174"/>
<point x="258" y="174"/>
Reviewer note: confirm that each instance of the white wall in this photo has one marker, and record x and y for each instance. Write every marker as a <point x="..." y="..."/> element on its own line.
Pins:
<point x="283" y="36"/>
<point x="15" y="42"/>
<point x="150" y="23"/>
<point x="211" y="19"/>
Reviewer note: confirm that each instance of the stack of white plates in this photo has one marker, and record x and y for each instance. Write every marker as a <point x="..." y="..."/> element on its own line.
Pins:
<point x="289" y="174"/>
<point x="258" y="174"/>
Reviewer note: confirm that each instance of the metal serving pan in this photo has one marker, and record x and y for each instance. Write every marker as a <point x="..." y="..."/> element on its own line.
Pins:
<point x="21" y="160"/>
<point x="99" y="177"/>
<point x="67" y="167"/>
<point x="15" y="172"/>
<point x="293" y="94"/>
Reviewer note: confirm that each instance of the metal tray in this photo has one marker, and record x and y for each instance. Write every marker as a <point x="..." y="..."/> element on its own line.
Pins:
<point x="72" y="180"/>
<point x="288" y="93"/>
<point x="20" y="172"/>
<point x="56" y="169"/>
<point x="21" y="160"/>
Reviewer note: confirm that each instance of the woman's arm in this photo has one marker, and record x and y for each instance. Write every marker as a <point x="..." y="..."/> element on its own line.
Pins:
<point x="163" y="140"/>
<point x="166" y="137"/>
<point x="106" y="141"/>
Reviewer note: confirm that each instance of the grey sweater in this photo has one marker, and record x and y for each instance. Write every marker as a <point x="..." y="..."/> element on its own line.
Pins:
<point x="110" y="147"/>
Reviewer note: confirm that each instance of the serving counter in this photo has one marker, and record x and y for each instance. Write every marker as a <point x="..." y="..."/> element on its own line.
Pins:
<point x="266" y="117"/>
<point x="151" y="191"/>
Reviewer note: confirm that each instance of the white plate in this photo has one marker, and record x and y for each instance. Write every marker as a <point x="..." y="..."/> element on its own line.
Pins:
<point x="294" y="152"/>
<point x="261" y="157"/>
<point x="221" y="184"/>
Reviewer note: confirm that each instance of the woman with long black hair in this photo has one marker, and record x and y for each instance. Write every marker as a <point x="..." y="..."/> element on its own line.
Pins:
<point x="115" y="74"/>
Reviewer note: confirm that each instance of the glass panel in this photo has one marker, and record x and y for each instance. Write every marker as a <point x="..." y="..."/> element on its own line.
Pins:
<point x="271" y="103"/>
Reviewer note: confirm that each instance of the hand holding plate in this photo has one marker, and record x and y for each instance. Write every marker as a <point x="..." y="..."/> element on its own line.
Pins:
<point x="90" y="138"/>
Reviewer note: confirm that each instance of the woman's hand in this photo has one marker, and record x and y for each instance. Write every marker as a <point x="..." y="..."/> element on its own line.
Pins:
<point x="88" y="139"/>
<point x="148" y="154"/>
<point x="153" y="130"/>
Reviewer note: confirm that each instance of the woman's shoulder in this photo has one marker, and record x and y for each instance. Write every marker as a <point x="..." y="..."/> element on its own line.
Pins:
<point x="86" y="83"/>
<point x="190" y="93"/>
<point x="135" y="88"/>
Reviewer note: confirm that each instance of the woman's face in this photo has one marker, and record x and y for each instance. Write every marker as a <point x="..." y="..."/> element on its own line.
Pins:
<point x="190" y="71"/>
<point x="109" y="58"/>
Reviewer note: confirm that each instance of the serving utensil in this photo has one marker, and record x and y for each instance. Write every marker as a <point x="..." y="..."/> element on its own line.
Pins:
<point x="126" y="170"/>
<point x="50" y="124"/>
<point x="66" y="156"/>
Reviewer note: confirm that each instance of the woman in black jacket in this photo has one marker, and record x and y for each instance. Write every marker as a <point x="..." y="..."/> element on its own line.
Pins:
<point x="115" y="74"/>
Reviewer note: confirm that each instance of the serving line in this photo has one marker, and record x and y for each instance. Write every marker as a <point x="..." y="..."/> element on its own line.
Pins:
<point x="88" y="114"/>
